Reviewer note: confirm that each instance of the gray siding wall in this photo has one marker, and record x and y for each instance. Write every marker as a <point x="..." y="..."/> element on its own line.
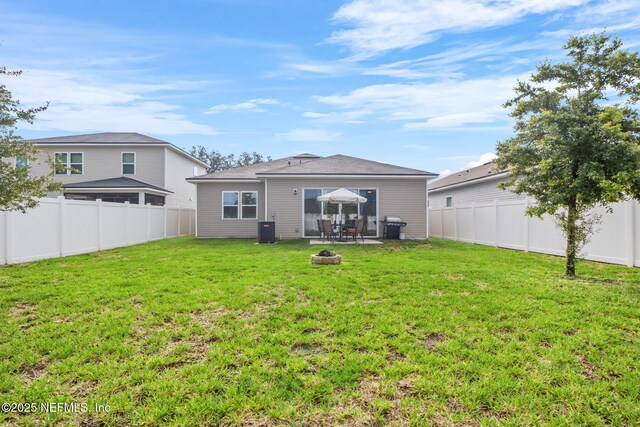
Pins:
<point x="406" y="198"/>
<point x="105" y="162"/>
<point x="209" y="214"/>
<point x="481" y="192"/>
<point x="178" y="169"/>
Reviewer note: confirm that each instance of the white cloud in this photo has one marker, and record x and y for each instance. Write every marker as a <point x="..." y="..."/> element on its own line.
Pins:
<point x="353" y="117"/>
<point x="484" y="158"/>
<point x="440" y="105"/>
<point x="81" y="102"/>
<point x="312" y="115"/>
<point x="252" y="105"/>
<point x="379" y="26"/>
<point x="310" y="135"/>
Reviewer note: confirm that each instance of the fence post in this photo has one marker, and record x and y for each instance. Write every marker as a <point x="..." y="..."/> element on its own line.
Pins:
<point x="148" y="222"/>
<point x="61" y="225"/>
<point x="179" y="219"/>
<point x="473" y="222"/>
<point x="99" y="201"/>
<point x="8" y="237"/>
<point x="527" y="220"/>
<point x="126" y="222"/>
<point x="631" y="233"/>
<point x="165" y="222"/>
<point x="455" y="223"/>
<point x="495" y="222"/>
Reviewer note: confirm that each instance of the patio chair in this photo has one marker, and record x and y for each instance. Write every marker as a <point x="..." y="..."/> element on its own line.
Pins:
<point x="326" y="229"/>
<point x="357" y="230"/>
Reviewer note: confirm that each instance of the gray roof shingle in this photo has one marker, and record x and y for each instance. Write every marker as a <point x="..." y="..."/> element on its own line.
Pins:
<point x="250" y="171"/>
<point x="310" y="164"/>
<point x="104" y="138"/>
<point x="340" y="164"/>
<point x="119" y="182"/>
<point x="482" y="171"/>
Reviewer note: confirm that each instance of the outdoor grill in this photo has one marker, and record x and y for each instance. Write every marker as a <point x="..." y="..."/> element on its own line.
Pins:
<point x="392" y="226"/>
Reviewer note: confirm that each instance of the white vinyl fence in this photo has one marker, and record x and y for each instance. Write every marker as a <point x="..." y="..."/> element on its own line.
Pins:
<point x="59" y="227"/>
<point x="504" y="224"/>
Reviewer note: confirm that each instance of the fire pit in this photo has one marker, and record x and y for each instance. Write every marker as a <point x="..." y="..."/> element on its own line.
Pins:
<point x="326" y="257"/>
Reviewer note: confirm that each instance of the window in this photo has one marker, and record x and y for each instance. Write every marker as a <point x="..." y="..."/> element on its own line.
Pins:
<point x="449" y="201"/>
<point x="230" y="205"/>
<point x="239" y="205"/>
<point x="249" y="204"/>
<point x="70" y="163"/>
<point x="195" y="171"/>
<point x="22" y="162"/>
<point x="128" y="163"/>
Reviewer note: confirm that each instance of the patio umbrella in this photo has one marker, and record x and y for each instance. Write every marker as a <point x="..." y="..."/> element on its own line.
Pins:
<point x="340" y="196"/>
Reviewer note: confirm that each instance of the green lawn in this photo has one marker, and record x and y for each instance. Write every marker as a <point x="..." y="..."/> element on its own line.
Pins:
<point x="226" y="332"/>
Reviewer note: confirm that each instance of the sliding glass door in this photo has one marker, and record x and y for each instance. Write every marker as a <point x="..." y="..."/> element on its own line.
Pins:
<point x="315" y="210"/>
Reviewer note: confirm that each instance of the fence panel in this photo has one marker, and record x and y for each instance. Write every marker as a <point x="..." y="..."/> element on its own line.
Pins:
<point x="34" y="234"/>
<point x="79" y="227"/>
<point x="504" y="224"/>
<point x="464" y="221"/>
<point x="484" y="224"/>
<point x="59" y="227"/>
<point x="512" y="225"/>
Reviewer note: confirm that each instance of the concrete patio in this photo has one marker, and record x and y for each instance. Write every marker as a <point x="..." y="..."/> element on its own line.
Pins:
<point x="347" y="242"/>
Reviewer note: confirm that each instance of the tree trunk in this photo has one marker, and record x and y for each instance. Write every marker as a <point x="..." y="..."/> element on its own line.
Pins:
<point x="570" y="228"/>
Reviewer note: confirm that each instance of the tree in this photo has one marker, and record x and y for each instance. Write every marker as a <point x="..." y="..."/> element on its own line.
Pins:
<point x="18" y="189"/>
<point x="577" y="136"/>
<point x="218" y="162"/>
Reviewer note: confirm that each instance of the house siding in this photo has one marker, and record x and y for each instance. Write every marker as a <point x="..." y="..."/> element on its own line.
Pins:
<point x="178" y="169"/>
<point x="481" y="192"/>
<point x="209" y="214"/>
<point x="105" y="162"/>
<point x="406" y="198"/>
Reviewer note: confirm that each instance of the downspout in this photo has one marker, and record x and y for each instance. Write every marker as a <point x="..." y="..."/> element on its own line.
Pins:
<point x="266" y="200"/>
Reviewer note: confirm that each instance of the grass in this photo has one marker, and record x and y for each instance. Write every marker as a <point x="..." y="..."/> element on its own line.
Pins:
<point x="226" y="332"/>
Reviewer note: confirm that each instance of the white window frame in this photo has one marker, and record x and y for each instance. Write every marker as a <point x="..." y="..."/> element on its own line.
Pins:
<point x="68" y="163"/>
<point x="446" y="199"/>
<point x="122" y="163"/>
<point x="240" y="217"/>
<point x="242" y="205"/>
<point x="238" y="206"/>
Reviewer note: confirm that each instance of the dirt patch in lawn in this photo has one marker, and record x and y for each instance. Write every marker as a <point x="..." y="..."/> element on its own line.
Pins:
<point x="308" y="350"/>
<point x="359" y="408"/>
<point x="208" y="318"/>
<point x="25" y="313"/>
<point x="394" y="355"/>
<point x="33" y="371"/>
<point x="589" y="370"/>
<point x="432" y="340"/>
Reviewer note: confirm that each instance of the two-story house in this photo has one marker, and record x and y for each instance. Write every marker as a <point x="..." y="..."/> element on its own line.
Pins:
<point x="121" y="167"/>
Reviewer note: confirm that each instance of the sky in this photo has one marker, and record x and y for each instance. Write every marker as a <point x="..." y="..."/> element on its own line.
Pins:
<point x="417" y="83"/>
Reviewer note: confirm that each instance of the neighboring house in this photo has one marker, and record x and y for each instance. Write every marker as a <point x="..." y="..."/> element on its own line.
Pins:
<point x="121" y="166"/>
<point x="474" y="185"/>
<point x="230" y="203"/>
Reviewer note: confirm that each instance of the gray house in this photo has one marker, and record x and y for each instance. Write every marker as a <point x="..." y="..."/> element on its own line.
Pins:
<point x="230" y="203"/>
<point x="122" y="166"/>
<point x="474" y="185"/>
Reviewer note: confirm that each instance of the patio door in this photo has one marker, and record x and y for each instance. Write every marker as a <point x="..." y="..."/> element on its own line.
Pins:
<point x="315" y="210"/>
